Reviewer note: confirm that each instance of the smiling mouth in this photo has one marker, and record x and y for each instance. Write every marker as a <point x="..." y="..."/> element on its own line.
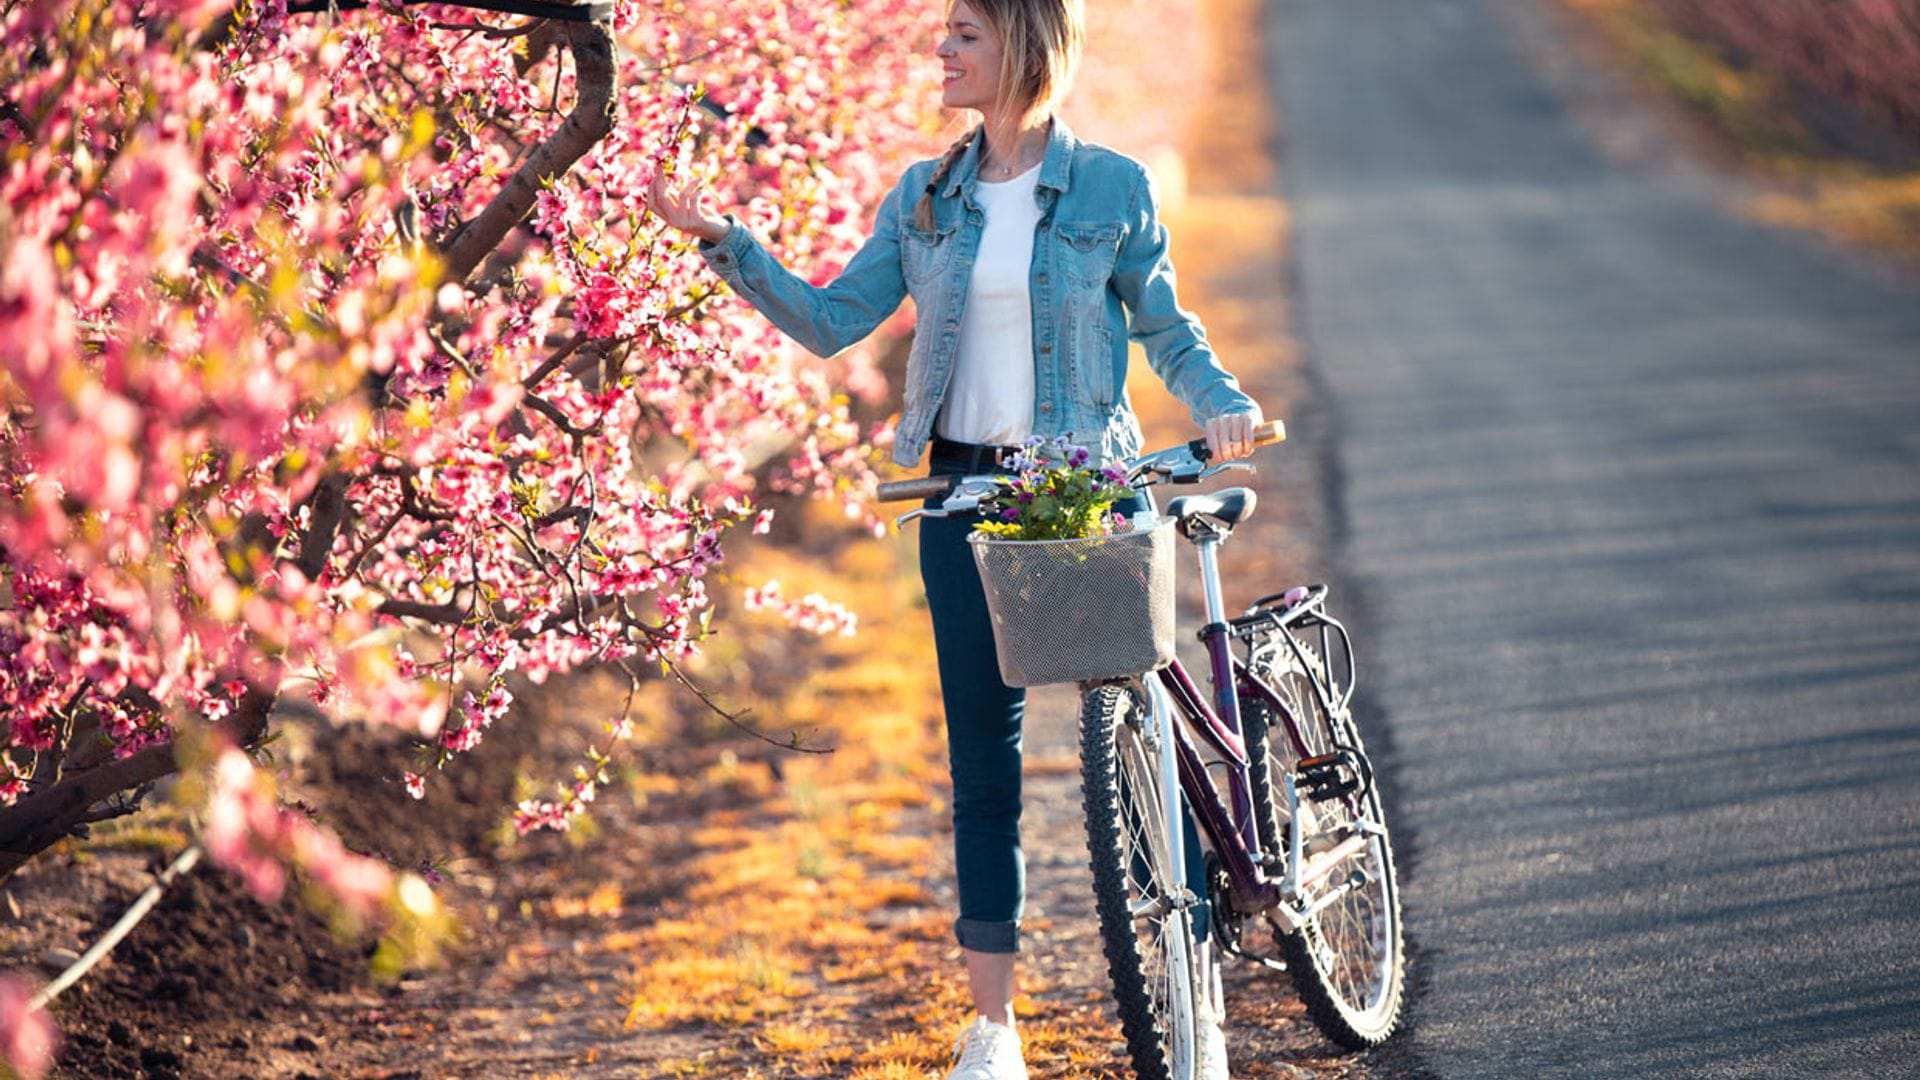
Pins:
<point x="951" y="75"/>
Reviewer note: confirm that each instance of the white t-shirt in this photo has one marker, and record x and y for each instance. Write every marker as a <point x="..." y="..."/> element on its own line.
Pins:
<point x="990" y="399"/>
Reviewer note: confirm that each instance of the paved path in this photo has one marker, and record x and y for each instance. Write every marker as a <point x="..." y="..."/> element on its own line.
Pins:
<point x="1632" y="493"/>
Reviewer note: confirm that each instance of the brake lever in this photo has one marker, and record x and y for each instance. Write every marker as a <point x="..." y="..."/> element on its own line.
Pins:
<point x="1224" y="466"/>
<point x="955" y="504"/>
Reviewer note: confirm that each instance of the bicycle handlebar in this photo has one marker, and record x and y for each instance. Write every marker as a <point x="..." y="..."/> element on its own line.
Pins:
<point x="1161" y="463"/>
<point x="920" y="487"/>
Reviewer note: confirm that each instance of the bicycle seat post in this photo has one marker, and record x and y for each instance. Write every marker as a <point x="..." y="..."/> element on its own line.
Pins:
<point x="1226" y="700"/>
<point x="1207" y="543"/>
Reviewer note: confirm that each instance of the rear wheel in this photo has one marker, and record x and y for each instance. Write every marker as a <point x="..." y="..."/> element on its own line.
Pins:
<point x="1347" y="962"/>
<point x="1145" y="926"/>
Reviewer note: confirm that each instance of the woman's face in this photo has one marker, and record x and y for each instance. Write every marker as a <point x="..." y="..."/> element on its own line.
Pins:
<point x="970" y="61"/>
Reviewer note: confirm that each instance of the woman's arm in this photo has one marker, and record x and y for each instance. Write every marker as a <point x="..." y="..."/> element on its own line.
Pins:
<point x="823" y="319"/>
<point x="1176" y="345"/>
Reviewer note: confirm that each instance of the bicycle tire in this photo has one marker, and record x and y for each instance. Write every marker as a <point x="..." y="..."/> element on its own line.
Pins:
<point x="1152" y="985"/>
<point x="1348" y="963"/>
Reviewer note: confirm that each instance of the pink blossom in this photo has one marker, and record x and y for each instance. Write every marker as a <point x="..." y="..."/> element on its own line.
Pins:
<point x="27" y="1035"/>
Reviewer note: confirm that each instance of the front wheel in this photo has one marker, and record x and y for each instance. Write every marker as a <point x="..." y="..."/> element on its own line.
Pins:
<point x="1145" y="924"/>
<point x="1347" y="961"/>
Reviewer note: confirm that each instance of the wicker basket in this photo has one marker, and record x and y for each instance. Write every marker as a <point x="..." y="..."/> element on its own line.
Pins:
<point x="1069" y="610"/>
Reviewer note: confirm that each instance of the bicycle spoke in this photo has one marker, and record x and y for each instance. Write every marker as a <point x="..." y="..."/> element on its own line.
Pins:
<point x="1346" y="959"/>
<point x="1146" y="934"/>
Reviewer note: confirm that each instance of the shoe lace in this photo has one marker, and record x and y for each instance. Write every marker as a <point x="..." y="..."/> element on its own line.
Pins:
<point x="978" y="1043"/>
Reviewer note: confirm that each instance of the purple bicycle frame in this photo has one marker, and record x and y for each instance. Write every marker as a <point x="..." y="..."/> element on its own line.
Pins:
<point x="1231" y="832"/>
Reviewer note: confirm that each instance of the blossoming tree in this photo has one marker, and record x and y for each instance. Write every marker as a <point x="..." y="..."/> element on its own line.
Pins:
<point x="342" y="360"/>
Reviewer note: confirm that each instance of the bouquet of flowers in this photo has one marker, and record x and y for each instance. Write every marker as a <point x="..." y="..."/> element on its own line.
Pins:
<point x="1056" y="496"/>
<point x="1074" y="590"/>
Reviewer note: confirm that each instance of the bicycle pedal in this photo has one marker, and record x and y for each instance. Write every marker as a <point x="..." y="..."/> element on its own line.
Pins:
<point x="1327" y="776"/>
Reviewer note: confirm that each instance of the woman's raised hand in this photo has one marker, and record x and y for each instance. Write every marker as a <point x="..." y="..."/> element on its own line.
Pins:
<point x="1231" y="436"/>
<point x="683" y="206"/>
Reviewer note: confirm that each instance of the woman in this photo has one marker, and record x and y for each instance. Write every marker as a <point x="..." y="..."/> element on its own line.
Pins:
<point x="1032" y="258"/>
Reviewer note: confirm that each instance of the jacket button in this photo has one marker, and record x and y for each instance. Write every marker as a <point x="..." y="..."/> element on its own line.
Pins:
<point x="1046" y="347"/>
<point x="1040" y="277"/>
<point x="1046" y="406"/>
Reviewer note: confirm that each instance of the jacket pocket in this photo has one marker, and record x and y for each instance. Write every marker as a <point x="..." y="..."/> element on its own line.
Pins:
<point x="1087" y="253"/>
<point x="924" y="257"/>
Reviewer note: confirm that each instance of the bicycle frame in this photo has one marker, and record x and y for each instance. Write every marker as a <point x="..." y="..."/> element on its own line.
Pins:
<point x="1227" y="823"/>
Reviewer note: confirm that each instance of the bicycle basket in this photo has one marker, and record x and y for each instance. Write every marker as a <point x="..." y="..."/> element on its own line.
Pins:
<point x="1068" y="610"/>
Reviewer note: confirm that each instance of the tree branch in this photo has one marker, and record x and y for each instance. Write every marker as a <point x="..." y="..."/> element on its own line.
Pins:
<point x="326" y="509"/>
<point x="590" y="121"/>
<point x="443" y="614"/>
<point x="42" y="818"/>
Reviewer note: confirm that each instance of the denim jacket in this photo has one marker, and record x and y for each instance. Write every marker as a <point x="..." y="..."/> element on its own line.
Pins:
<point x="1100" y="275"/>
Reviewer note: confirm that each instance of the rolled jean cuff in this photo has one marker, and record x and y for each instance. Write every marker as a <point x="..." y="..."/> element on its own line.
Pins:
<point x="980" y="935"/>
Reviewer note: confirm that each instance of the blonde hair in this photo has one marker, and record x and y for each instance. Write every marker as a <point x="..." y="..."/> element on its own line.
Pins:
<point x="1040" y="43"/>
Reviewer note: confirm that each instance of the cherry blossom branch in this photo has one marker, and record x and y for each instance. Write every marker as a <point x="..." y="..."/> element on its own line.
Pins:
<point x="553" y="362"/>
<point x="590" y="121"/>
<point x="575" y="435"/>
<point x="41" y="818"/>
<point x="440" y="614"/>
<point x="491" y="33"/>
<point x="327" y="507"/>
<point x="738" y="720"/>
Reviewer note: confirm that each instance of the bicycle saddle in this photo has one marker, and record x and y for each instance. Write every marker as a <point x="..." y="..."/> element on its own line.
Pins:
<point x="1229" y="507"/>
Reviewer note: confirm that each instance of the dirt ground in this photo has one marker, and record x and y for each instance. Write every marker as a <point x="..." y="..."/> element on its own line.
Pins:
<point x="733" y="910"/>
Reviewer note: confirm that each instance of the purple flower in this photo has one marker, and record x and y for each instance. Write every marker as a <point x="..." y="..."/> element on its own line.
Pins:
<point x="1078" y="456"/>
<point x="1010" y="514"/>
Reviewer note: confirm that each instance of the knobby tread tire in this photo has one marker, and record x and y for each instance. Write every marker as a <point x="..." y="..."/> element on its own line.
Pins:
<point x="1101" y="709"/>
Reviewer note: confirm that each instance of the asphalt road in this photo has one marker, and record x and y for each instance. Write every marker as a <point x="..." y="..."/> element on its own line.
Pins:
<point x="1630" y="491"/>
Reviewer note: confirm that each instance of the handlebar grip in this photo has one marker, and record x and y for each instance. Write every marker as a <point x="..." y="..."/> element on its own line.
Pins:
<point x="1266" y="434"/>
<point x="920" y="487"/>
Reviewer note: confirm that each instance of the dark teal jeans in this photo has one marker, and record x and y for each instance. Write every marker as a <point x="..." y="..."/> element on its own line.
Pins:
<point x="984" y="718"/>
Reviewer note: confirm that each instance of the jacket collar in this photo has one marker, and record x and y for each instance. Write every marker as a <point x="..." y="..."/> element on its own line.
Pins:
<point x="1056" y="168"/>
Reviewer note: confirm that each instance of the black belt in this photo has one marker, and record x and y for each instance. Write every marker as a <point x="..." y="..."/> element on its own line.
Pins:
<point x="976" y="456"/>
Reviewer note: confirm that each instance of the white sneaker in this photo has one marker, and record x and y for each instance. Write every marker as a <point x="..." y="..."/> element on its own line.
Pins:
<point x="988" y="1051"/>
<point x="1211" y="1059"/>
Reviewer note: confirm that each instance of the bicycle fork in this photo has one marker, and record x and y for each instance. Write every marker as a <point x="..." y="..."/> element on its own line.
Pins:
<point x="1179" y="930"/>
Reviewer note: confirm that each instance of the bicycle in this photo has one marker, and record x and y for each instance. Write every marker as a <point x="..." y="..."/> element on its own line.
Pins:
<point x="1297" y="839"/>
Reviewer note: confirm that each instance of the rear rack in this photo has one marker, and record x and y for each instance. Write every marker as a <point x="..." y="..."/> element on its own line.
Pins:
<point x="1335" y="662"/>
<point x="1268" y="613"/>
